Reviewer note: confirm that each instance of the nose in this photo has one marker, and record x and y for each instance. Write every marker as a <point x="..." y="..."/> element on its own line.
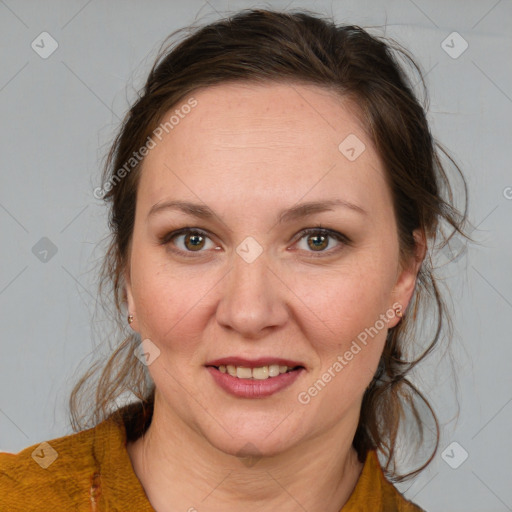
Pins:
<point x="253" y="299"/>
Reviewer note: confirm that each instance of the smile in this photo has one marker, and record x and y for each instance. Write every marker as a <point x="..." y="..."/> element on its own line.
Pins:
<point x="259" y="373"/>
<point x="260" y="378"/>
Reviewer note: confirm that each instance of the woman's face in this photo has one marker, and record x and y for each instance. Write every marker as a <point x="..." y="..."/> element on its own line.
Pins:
<point x="230" y="281"/>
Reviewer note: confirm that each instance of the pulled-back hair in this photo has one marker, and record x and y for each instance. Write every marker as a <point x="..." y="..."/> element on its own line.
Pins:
<point x="293" y="47"/>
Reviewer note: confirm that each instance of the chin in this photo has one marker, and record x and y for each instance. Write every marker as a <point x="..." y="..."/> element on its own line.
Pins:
<point x="254" y="444"/>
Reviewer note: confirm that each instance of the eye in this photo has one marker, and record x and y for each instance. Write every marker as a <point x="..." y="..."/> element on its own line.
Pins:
<point x="319" y="239"/>
<point x="313" y="240"/>
<point x="188" y="240"/>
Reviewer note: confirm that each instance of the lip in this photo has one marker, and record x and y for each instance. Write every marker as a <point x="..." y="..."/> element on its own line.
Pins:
<point x="254" y="363"/>
<point x="253" y="388"/>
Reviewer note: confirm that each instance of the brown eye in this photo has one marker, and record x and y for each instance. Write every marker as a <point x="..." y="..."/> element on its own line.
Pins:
<point x="186" y="241"/>
<point x="194" y="241"/>
<point x="318" y="241"/>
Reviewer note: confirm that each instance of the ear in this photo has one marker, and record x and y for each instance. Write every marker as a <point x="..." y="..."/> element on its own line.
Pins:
<point x="407" y="276"/>
<point x="129" y="297"/>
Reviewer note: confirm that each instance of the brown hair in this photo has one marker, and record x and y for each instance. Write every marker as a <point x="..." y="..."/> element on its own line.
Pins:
<point x="270" y="46"/>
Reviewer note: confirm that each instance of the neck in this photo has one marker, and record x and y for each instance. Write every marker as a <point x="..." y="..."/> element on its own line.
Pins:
<point x="180" y="470"/>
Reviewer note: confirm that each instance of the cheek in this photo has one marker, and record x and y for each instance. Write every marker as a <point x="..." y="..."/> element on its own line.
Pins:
<point x="349" y="326"/>
<point x="348" y="339"/>
<point x="345" y="302"/>
<point x="168" y="299"/>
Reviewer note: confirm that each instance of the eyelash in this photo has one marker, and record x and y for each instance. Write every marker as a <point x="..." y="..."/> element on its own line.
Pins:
<point x="317" y="230"/>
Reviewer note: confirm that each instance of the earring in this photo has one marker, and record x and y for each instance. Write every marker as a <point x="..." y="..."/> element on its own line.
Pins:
<point x="130" y="319"/>
<point x="399" y="313"/>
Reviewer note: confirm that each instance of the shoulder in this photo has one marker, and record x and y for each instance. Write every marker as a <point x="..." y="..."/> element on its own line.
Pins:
<point x="59" y="472"/>
<point x="375" y="493"/>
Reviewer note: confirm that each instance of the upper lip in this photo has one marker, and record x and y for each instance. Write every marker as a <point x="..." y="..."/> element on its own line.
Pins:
<point x="253" y="363"/>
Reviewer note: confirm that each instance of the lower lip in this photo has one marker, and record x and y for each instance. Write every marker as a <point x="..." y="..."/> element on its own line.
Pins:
<point x="253" y="388"/>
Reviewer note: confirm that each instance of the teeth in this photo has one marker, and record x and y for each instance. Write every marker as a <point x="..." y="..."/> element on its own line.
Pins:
<point x="260" y="373"/>
<point x="273" y="370"/>
<point x="243" y="373"/>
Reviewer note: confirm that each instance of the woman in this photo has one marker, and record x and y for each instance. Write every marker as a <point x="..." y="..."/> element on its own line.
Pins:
<point x="274" y="192"/>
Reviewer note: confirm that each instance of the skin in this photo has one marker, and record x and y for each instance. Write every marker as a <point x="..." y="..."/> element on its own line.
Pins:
<point x="247" y="152"/>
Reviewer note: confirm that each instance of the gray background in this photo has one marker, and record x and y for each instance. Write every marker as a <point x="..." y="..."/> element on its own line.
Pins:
<point x="57" y="117"/>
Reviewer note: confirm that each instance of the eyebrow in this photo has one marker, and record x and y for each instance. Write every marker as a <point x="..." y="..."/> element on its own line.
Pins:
<point x="287" y="215"/>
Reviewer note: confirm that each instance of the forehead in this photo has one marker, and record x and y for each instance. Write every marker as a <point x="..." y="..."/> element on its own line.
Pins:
<point x="264" y="141"/>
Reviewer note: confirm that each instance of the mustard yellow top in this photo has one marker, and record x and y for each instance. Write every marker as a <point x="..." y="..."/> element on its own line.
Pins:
<point x="90" y="471"/>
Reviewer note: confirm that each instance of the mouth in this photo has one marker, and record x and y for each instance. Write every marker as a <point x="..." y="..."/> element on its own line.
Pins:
<point x="254" y="378"/>
<point x="257" y="373"/>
